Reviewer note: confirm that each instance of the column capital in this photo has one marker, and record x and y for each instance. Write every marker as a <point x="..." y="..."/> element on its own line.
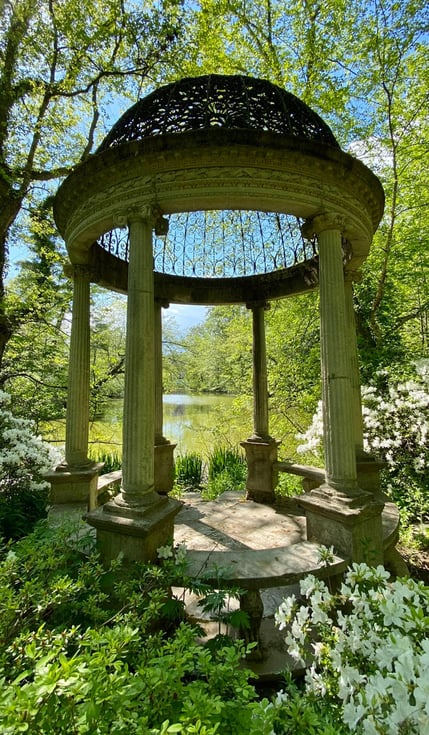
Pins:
<point x="80" y="270"/>
<point x="139" y="214"/>
<point x="150" y="213"/>
<point x="252" y="305"/>
<point x="322" y="222"/>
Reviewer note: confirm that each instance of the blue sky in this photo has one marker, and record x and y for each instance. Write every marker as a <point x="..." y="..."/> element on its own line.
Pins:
<point x="186" y="316"/>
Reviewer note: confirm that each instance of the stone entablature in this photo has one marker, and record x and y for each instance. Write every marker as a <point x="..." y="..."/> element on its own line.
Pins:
<point x="218" y="170"/>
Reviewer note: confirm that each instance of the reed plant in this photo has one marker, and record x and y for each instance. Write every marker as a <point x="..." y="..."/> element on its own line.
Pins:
<point x="189" y="470"/>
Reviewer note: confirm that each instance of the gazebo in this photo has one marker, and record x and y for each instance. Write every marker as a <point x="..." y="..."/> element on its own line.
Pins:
<point x="219" y="190"/>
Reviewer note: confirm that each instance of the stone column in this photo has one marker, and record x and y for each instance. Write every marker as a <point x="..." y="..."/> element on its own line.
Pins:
<point x="339" y="513"/>
<point x="353" y="364"/>
<point x="260" y="448"/>
<point x="368" y="467"/>
<point x="77" y="421"/>
<point x="139" y="392"/>
<point x="164" y="450"/>
<point x="337" y="395"/>
<point x="75" y="479"/>
<point x="138" y="520"/>
<point x="260" y="383"/>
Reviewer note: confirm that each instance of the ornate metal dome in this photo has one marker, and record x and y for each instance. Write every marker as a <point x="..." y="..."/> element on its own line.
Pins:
<point x="214" y="100"/>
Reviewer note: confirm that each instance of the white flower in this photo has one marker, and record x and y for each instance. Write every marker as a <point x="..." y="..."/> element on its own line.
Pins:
<point x="284" y="612"/>
<point x="165" y="552"/>
<point x="180" y="552"/>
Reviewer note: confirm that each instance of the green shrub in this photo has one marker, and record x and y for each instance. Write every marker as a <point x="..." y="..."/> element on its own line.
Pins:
<point x="95" y="651"/>
<point x="24" y="460"/>
<point x="289" y="485"/>
<point x="227" y="470"/>
<point x="189" y="470"/>
<point x="224" y="458"/>
<point x="111" y="460"/>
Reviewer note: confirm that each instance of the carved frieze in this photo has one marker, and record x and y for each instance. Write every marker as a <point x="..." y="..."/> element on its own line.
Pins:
<point x="214" y="187"/>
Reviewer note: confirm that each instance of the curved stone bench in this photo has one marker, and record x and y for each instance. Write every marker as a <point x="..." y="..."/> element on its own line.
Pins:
<point x="255" y="569"/>
<point x="252" y="570"/>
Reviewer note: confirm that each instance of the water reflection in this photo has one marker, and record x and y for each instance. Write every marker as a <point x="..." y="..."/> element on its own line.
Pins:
<point x="191" y="421"/>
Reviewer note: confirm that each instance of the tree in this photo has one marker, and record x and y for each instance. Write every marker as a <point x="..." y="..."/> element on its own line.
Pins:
<point x="364" y="67"/>
<point x="391" y="72"/>
<point x="218" y="356"/>
<point x="39" y="304"/>
<point x="62" y="64"/>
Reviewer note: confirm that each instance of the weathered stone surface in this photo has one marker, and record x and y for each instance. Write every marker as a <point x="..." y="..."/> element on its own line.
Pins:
<point x="73" y="486"/>
<point x="262" y="473"/>
<point x="138" y="536"/>
<point x="164" y="467"/>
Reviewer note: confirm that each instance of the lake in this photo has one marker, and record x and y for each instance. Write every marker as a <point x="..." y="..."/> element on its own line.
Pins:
<point x="195" y="423"/>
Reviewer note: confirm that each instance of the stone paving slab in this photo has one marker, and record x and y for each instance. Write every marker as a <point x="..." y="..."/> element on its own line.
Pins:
<point x="231" y="522"/>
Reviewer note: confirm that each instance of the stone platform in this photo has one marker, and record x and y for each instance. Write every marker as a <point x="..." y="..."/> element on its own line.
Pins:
<point x="261" y="549"/>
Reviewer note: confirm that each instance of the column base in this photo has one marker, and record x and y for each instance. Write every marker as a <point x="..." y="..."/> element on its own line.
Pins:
<point x="164" y="467"/>
<point x="134" y="533"/>
<point x="351" y="523"/>
<point x="73" y="485"/>
<point x="368" y="473"/>
<point x="262" y="474"/>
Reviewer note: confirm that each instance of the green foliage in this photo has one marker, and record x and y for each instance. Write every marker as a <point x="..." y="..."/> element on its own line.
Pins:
<point x="227" y="470"/>
<point x="289" y="485"/>
<point x="24" y="460"/>
<point x="87" y="650"/>
<point x="112" y="460"/>
<point x="225" y="458"/>
<point x="218" y="354"/>
<point x="189" y="470"/>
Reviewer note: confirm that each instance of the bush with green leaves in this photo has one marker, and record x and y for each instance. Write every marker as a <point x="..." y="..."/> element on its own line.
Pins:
<point x="24" y="458"/>
<point x="111" y="460"/>
<point x="86" y="650"/>
<point x="366" y="650"/>
<point x="227" y="471"/>
<point x="89" y="650"/>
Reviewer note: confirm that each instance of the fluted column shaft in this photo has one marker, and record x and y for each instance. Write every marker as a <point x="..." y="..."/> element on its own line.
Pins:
<point x="159" y="437"/>
<point x="139" y="392"/>
<point x="339" y="433"/>
<point x="77" y="420"/>
<point x="354" y="366"/>
<point x="260" y="381"/>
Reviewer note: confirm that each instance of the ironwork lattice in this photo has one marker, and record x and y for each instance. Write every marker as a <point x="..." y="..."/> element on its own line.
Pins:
<point x="223" y="244"/>
<point x="210" y="101"/>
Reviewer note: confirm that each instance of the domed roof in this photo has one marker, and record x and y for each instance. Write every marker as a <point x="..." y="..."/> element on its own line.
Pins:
<point x="217" y="101"/>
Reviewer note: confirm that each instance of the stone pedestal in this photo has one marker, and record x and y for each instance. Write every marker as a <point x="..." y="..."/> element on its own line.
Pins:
<point x="368" y="473"/>
<point x="164" y="467"/>
<point x="262" y="474"/>
<point x="70" y="485"/>
<point x="136" y="534"/>
<point x="350" y="523"/>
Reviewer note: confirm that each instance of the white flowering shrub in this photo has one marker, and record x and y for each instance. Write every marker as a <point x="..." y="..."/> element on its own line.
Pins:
<point x="366" y="648"/>
<point x="24" y="458"/>
<point x="396" y="429"/>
